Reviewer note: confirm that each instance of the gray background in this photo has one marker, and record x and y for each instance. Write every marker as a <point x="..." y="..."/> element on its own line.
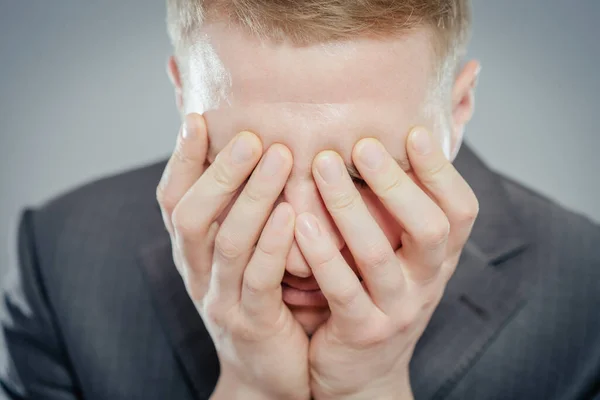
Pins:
<point x="83" y="93"/>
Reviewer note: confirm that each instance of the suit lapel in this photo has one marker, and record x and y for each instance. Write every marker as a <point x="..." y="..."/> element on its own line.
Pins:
<point x="183" y="325"/>
<point x="488" y="287"/>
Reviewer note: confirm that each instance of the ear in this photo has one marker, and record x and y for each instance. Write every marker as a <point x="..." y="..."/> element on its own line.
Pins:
<point x="175" y="78"/>
<point x="463" y="102"/>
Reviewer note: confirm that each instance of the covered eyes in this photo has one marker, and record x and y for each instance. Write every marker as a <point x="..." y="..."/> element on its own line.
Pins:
<point x="360" y="183"/>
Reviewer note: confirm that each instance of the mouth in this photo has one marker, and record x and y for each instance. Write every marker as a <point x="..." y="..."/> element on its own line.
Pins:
<point x="305" y="292"/>
<point x="306" y="297"/>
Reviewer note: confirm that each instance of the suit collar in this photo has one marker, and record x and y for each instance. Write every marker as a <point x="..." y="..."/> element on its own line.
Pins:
<point x="497" y="233"/>
<point x="478" y="300"/>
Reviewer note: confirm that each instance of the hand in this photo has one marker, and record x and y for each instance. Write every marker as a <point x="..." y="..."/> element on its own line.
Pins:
<point x="233" y="272"/>
<point x="364" y="349"/>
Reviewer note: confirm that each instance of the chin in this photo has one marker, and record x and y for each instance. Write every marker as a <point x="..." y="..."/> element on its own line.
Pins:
<point x="310" y="318"/>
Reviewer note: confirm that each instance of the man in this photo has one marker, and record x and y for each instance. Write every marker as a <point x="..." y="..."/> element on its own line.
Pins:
<point x="321" y="234"/>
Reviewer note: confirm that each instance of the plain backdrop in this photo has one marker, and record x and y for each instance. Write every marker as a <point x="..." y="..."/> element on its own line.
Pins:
<point x="83" y="94"/>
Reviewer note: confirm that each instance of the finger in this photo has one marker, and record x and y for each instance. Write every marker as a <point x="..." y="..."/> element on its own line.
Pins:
<point x="368" y="244"/>
<point x="194" y="217"/>
<point x="261" y="291"/>
<point x="195" y="266"/>
<point x="184" y="167"/>
<point x="244" y="222"/>
<point x="349" y="302"/>
<point x="424" y="244"/>
<point x="449" y="189"/>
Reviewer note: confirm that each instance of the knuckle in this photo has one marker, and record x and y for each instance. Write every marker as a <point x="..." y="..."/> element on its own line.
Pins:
<point x="437" y="170"/>
<point x="166" y="199"/>
<point x="406" y="322"/>
<point x="253" y="194"/>
<point x="160" y="193"/>
<point x="178" y="260"/>
<point x="224" y="177"/>
<point x="431" y="300"/>
<point x="434" y="235"/>
<point x="377" y="334"/>
<point x="183" y="224"/>
<point x="376" y="256"/>
<point x="255" y="285"/>
<point x="226" y="247"/>
<point x="326" y="261"/>
<point x="244" y="331"/>
<point x="213" y="312"/>
<point x="449" y="266"/>
<point x="346" y="296"/>
<point x="344" y="201"/>
<point x="196" y="293"/>
<point x="468" y="212"/>
<point x="392" y="184"/>
<point x="268" y="248"/>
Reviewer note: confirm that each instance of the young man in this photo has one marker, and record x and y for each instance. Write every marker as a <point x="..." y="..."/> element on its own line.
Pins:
<point x="321" y="234"/>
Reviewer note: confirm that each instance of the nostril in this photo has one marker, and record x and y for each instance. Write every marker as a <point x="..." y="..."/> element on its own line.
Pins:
<point x="299" y="271"/>
<point x="299" y="274"/>
<point x="296" y="264"/>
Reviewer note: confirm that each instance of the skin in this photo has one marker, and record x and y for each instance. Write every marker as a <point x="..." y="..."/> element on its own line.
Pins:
<point x="312" y="111"/>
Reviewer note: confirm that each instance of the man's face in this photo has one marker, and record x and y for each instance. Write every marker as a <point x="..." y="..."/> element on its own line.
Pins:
<point x="311" y="99"/>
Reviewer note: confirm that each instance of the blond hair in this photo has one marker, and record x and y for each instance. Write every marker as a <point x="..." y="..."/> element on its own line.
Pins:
<point x="304" y="22"/>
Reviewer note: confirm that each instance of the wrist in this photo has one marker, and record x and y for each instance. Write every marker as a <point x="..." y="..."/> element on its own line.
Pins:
<point x="395" y="388"/>
<point x="392" y="394"/>
<point x="229" y="388"/>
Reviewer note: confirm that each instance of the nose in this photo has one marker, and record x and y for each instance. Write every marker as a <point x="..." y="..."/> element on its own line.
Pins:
<point x="305" y="197"/>
<point x="296" y="263"/>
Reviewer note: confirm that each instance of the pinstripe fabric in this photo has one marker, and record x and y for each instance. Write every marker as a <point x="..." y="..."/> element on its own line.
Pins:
<point x="95" y="309"/>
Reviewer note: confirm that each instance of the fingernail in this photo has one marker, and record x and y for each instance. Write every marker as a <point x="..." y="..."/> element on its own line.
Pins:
<point x="371" y="154"/>
<point x="280" y="218"/>
<point x="329" y="168"/>
<point x="188" y="129"/>
<point x="272" y="163"/>
<point x="308" y="226"/>
<point x="241" y="151"/>
<point x="184" y="131"/>
<point x="421" y="141"/>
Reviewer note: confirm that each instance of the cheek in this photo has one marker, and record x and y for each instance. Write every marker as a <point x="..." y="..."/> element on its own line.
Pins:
<point x="385" y="220"/>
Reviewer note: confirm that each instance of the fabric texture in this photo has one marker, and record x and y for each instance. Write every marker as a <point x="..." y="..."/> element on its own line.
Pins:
<point x="94" y="308"/>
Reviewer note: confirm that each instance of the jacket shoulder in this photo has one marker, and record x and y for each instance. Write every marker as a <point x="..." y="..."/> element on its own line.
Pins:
<point x="97" y="228"/>
<point x="135" y="186"/>
<point x="113" y="202"/>
<point x="85" y="295"/>
<point x="553" y="227"/>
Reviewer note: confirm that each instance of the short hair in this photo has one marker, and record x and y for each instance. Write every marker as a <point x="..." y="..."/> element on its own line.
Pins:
<point x="305" y="22"/>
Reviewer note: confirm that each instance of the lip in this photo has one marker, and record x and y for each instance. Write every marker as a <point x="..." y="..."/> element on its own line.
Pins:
<point x="304" y="284"/>
<point x="308" y="298"/>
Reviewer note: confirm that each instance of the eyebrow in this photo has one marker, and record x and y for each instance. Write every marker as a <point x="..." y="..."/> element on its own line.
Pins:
<point x="350" y="167"/>
<point x="353" y="172"/>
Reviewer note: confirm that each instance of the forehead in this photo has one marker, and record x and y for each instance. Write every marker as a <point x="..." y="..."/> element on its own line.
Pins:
<point x="339" y="72"/>
<point x="311" y="97"/>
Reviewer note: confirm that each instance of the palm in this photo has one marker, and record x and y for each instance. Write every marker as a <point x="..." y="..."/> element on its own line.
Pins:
<point x="277" y="343"/>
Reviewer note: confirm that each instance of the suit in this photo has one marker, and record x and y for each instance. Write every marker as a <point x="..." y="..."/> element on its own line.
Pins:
<point x="94" y="307"/>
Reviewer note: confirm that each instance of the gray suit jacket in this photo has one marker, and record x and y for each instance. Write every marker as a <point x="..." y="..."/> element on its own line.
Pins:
<point x="95" y="308"/>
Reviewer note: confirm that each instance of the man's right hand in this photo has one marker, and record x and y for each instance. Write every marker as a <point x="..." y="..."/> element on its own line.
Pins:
<point x="233" y="272"/>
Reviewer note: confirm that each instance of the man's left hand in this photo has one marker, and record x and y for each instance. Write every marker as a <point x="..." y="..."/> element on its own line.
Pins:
<point x="364" y="349"/>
